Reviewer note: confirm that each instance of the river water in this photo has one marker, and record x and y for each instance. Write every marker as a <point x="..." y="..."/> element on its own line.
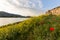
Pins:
<point x="5" y="21"/>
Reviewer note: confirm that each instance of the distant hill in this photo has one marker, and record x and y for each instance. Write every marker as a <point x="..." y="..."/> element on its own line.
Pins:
<point x="6" y="14"/>
<point x="54" y="11"/>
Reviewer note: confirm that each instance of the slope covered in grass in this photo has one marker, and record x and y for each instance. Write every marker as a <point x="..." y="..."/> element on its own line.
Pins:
<point x="37" y="28"/>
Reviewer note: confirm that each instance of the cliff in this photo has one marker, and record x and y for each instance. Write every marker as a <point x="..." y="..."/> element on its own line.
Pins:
<point x="54" y="11"/>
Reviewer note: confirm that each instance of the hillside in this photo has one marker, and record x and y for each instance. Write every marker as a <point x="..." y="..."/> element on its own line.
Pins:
<point x="6" y="14"/>
<point x="37" y="28"/>
<point x="54" y="11"/>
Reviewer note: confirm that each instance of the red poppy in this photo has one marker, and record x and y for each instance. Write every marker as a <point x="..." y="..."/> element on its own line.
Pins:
<point x="51" y="29"/>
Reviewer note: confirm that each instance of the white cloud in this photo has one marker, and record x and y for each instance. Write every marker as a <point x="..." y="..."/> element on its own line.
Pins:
<point x="27" y="3"/>
<point x="21" y="7"/>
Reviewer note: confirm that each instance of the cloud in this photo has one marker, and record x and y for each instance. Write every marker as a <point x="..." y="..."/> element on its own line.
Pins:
<point x="27" y="3"/>
<point x="21" y="7"/>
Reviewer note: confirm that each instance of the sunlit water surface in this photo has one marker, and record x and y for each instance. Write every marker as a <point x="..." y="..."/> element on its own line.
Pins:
<point x="5" y="21"/>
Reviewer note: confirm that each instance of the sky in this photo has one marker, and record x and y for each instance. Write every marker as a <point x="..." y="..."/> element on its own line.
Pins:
<point x="28" y="7"/>
<point x="50" y="4"/>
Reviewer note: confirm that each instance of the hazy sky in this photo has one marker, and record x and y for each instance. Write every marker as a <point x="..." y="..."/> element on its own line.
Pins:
<point x="27" y="7"/>
<point x="21" y="7"/>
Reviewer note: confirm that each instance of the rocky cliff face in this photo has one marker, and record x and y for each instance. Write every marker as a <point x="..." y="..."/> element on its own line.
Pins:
<point x="54" y="11"/>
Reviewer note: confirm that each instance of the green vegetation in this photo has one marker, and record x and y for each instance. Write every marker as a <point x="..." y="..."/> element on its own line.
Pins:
<point x="36" y="28"/>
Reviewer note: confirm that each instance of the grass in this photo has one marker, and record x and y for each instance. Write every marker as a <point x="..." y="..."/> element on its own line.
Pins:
<point x="36" y="28"/>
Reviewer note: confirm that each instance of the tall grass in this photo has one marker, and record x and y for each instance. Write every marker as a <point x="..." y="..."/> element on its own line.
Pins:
<point x="36" y="28"/>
